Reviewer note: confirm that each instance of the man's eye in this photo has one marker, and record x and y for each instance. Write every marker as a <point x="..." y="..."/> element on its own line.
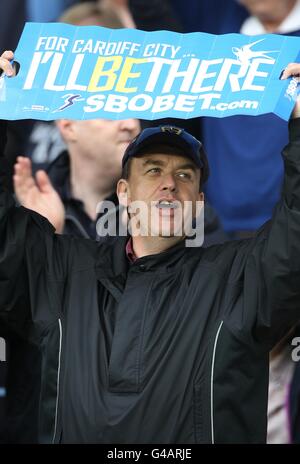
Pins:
<point x="154" y="170"/>
<point x="184" y="175"/>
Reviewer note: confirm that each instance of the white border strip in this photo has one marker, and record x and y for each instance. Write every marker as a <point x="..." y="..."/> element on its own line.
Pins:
<point x="58" y="378"/>
<point x="211" y="385"/>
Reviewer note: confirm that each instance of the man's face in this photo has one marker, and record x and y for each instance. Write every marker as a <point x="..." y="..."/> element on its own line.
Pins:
<point x="266" y="9"/>
<point x="103" y="141"/>
<point x="168" y="185"/>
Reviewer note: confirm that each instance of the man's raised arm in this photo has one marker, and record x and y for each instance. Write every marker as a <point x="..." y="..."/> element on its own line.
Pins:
<point x="269" y="264"/>
<point x="25" y="240"/>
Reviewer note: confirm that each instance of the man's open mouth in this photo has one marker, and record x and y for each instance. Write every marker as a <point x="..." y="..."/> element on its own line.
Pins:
<point x="167" y="204"/>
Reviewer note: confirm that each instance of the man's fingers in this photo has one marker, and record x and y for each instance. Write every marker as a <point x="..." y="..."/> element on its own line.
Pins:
<point x="24" y="165"/>
<point x="23" y="189"/>
<point x="43" y="181"/>
<point x="8" y="55"/>
<point x="292" y="69"/>
<point x="24" y="171"/>
<point x="5" y="63"/>
<point x="23" y="179"/>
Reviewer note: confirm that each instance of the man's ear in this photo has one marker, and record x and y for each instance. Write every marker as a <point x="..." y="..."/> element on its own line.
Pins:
<point x="66" y="128"/>
<point x="123" y="192"/>
<point x="201" y="196"/>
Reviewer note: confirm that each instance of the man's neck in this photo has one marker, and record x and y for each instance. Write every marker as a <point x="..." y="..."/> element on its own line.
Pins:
<point x="145" y="246"/>
<point x="89" y="184"/>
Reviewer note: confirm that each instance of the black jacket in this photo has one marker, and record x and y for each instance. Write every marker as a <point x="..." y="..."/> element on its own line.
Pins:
<point x="171" y="349"/>
<point x="24" y="366"/>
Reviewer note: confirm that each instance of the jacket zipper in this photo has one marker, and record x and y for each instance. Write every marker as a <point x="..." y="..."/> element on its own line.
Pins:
<point x="212" y="382"/>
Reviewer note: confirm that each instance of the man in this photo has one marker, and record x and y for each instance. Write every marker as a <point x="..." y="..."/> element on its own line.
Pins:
<point x="83" y="176"/>
<point x="146" y="340"/>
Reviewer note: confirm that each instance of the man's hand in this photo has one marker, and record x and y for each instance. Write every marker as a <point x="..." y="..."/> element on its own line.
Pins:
<point x="5" y="63"/>
<point x="38" y="194"/>
<point x="293" y="69"/>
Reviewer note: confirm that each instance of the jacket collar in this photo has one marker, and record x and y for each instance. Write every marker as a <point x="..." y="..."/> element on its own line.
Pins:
<point x="113" y="262"/>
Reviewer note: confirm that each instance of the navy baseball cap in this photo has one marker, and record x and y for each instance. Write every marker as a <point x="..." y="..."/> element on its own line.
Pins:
<point x="170" y="136"/>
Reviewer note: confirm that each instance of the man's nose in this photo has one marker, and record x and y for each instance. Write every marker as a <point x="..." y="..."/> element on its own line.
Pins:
<point x="169" y="183"/>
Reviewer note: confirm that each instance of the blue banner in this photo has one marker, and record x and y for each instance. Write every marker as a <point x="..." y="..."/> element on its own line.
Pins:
<point x="94" y="72"/>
